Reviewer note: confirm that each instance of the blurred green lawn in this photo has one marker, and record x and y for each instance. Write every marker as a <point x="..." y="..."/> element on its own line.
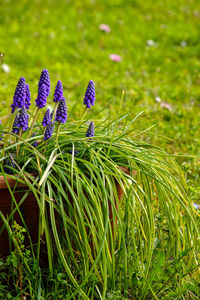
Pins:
<point x="64" y="37"/>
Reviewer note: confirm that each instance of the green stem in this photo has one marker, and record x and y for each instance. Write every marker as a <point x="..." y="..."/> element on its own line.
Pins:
<point x="81" y="122"/>
<point x="54" y="111"/>
<point x="18" y="146"/>
<point x="7" y="136"/>
<point x="57" y="131"/>
<point x="34" y="114"/>
<point x="33" y="122"/>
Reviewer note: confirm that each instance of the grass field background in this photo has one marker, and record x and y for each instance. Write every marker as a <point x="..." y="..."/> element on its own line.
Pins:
<point x="158" y="42"/>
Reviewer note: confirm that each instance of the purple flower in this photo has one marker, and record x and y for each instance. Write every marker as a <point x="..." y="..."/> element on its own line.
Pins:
<point x="9" y="164"/>
<point x="35" y="143"/>
<point x="42" y="97"/>
<point x="58" y="94"/>
<point x="75" y="152"/>
<point x="20" y="95"/>
<point x="44" y="79"/>
<point x="90" y="131"/>
<point x="22" y="121"/>
<point x="61" y="113"/>
<point x="196" y="206"/>
<point x="28" y="97"/>
<point x="47" y="118"/>
<point x="15" y="128"/>
<point x="90" y="95"/>
<point x="48" y="131"/>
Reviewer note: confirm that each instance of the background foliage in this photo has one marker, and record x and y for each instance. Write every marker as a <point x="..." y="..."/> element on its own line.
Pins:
<point x="66" y="40"/>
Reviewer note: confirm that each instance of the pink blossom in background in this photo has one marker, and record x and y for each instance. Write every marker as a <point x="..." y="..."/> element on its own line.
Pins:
<point x="105" y="28"/>
<point x="115" y="57"/>
<point x="166" y="105"/>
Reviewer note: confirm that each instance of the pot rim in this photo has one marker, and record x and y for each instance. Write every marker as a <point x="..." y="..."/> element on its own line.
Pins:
<point x="12" y="181"/>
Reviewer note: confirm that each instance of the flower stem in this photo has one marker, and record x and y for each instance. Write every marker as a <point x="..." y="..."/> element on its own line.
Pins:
<point x="54" y="111"/>
<point x="33" y="122"/>
<point x="57" y="131"/>
<point x="18" y="146"/>
<point x="9" y="130"/>
<point x="83" y="116"/>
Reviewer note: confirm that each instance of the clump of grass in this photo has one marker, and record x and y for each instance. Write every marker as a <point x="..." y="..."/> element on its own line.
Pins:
<point x="97" y="244"/>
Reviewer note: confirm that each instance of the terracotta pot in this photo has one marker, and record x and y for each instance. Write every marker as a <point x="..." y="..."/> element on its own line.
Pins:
<point x="29" y="210"/>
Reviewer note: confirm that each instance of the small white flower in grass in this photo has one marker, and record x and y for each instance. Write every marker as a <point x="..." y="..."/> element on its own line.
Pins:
<point x="150" y="43"/>
<point x="5" y="68"/>
<point x="158" y="99"/>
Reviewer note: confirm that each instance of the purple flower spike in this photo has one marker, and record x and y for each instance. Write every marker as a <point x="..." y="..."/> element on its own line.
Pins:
<point x="48" y="132"/>
<point x="61" y="113"/>
<point x="15" y="128"/>
<point x="23" y="119"/>
<point x="44" y="79"/>
<point x="47" y="118"/>
<point x="58" y="92"/>
<point x="90" y="131"/>
<point x="42" y="97"/>
<point x="90" y="95"/>
<point x="28" y="97"/>
<point x="20" y="95"/>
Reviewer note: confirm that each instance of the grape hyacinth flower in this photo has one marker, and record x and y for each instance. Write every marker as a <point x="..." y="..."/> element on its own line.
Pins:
<point x="89" y="95"/>
<point x="15" y="128"/>
<point x="20" y="95"/>
<point x="44" y="79"/>
<point x="61" y="113"/>
<point x="40" y="103"/>
<point x="22" y="121"/>
<point x="47" y="118"/>
<point x="48" y="132"/>
<point x="28" y="97"/>
<point x="90" y="131"/>
<point x="35" y="143"/>
<point x="58" y="94"/>
<point x="9" y="162"/>
<point x="75" y="152"/>
<point x="42" y="97"/>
